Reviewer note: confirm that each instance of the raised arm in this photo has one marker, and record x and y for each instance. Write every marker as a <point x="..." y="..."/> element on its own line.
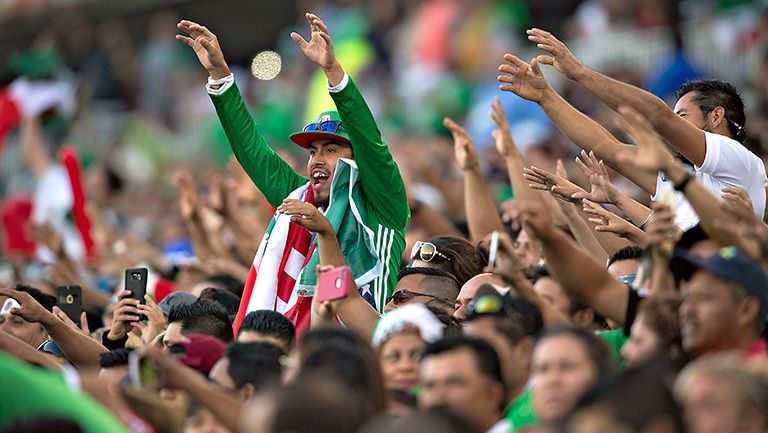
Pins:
<point x="273" y="176"/>
<point x="78" y="348"/>
<point x="482" y="214"/>
<point x="379" y="174"/>
<point x="575" y="270"/>
<point x="679" y="133"/>
<point x="528" y="82"/>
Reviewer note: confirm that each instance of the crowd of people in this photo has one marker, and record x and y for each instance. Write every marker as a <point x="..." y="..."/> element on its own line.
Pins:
<point x="392" y="283"/>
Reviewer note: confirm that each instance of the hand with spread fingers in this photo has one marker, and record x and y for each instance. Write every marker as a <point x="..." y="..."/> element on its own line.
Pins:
<point x="502" y="135"/>
<point x="29" y="309"/>
<point x="319" y="48"/>
<point x="651" y="154"/>
<point x="601" y="188"/>
<point x="188" y="200"/>
<point x="206" y="47"/>
<point x="560" y="56"/>
<point x="609" y="222"/>
<point x="739" y="221"/>
<point x="306" y="215"/>
<point x="559" y="186"/>
<point x="83" y="328"/>
<point x="523" y="79"/>
<point x="464" y="147"/>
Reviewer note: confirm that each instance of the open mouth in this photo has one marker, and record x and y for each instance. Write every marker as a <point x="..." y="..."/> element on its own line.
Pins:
<point x="319" y="177"/>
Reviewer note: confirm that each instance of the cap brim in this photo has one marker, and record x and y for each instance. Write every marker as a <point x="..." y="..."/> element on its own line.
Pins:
<point x="683" y="265"/>
<point x="304" y="138"/>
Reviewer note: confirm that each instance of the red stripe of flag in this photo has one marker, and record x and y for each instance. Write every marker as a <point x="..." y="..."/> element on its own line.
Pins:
<point x="68" y="158"/>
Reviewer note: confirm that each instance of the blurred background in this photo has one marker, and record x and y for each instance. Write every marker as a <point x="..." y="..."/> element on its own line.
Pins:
<point x="135" y="106"/>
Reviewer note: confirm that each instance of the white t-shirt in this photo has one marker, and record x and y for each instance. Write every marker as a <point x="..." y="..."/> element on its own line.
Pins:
<point x="726" y="163"/>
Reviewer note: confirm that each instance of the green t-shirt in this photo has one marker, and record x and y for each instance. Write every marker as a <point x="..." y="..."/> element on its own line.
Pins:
<point x="615" y="340"/>
<point x="520" y="412"/>
<point x="32" y="392"/>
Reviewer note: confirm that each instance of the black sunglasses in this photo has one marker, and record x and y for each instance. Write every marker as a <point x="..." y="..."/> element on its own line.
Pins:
<point x="404" y="295"/>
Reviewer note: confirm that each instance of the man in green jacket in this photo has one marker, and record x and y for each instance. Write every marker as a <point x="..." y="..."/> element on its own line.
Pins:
<point x="376" y="200"/>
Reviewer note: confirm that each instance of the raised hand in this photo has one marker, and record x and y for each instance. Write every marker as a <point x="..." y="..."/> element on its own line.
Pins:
<point x="29" y="309"/>
<point x="661" y="229"/>
<point x="607" y="221"/>
<point x="502" y="134"/>
<point x="83" y="328"/>
<point x="206" y="46"/>
<point x="522" y="79"/>
<point x="464" y="147"/>
<point x="559" y="186"/>
<point x="536" y="220"/>
<point x="305" y="215"/>
<point x="319" y="48"/>
<point x="125" y="314"/>
<point x="155" y="317"/>
<point x="561" y="57"/>
<point x="601" y="189"/>
<point x="651" y="154"/>
<point x="188" y="199"/>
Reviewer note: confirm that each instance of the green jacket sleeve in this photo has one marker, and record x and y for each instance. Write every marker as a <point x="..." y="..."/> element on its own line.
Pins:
<point x="273" y="176"/>
<point x="380" y="178"/>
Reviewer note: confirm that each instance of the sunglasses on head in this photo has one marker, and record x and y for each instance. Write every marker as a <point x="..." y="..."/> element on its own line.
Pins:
<point x="404" y="295"/>
<point x="331" y="126"/>
<point x="426" y="251"/>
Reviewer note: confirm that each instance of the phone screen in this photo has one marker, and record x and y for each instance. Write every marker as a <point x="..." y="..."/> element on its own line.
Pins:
<point x="142" y="371"/>
<point x="493" y="249"/>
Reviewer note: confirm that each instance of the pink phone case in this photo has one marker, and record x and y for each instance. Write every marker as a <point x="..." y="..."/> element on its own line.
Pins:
<point x="334" y="284"/>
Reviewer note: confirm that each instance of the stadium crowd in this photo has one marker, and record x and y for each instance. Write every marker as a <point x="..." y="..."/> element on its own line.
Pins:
<point x="425" y="221"/>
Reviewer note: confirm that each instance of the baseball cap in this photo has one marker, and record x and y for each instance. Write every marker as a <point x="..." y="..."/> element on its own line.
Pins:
<point x="176" y="299"/>
<point x="730" y="264"/>
<point x="200" y="351"/>
<point x="328" y="125"/>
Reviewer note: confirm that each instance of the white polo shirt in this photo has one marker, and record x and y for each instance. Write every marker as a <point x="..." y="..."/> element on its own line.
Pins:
<point x="726" y="163"/>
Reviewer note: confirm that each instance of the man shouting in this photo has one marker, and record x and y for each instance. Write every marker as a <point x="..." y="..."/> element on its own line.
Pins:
<point x="352" y="179"/>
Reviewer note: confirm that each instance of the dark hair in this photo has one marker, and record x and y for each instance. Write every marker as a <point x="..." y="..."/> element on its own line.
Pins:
<point x="44" y="299"/>
<point x="254" y="363"/>
<point x="486" y="359"/>
<point x="203" y="317"/>
<point x="661" y="314"/>
<point x="576" y="302"/>
<point x="447" y="280"/>
<point x="716" y="93"/>
<point x="436" y="419"/>
<point x="225" y="298"/>
<point x="338" y="353"/>
<point x="464" y="259"/>
<point x="269" y="323"/>
<point x="318" y="404"/>
<point x="636" y="398"/>
<point x="229" y="282"/>
<point x="114" y="181"/>
<point x="114" y="358"/>
<point x="630" y="252"/>
<point x="593" y="346"/>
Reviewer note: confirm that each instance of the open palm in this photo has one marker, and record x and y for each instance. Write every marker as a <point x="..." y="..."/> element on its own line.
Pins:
<point x="206" y="47"/>
<point x="524" y="80"/>
<point x="319" y="48"/>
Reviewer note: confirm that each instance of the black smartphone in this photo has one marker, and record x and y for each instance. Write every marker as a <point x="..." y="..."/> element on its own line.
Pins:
<point x="70" y="300"/>
<point x="136" y="282"/>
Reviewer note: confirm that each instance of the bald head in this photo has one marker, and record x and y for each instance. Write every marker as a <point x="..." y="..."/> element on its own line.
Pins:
<point x="469" y="290"/>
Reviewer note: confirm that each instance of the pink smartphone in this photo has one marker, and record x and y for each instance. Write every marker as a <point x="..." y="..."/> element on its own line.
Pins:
<point x="334" y="284"/>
